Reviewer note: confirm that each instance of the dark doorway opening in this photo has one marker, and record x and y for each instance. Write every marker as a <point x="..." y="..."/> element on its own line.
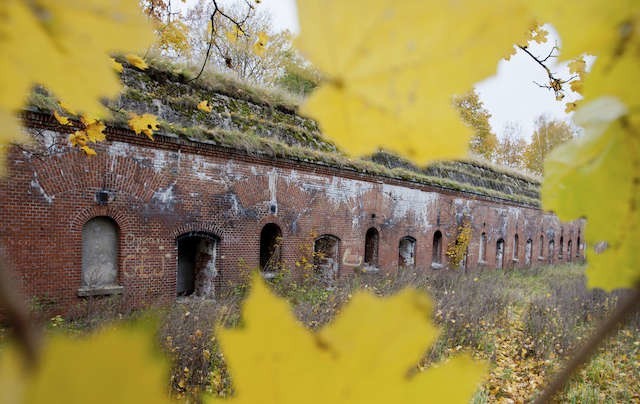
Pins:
<point x="270" y="247"/>
<point x="326" y="258"/>
<point x="528" y="252"/>
<point x="436" y="252"/>
<point x="371" y="242"/>
<point x="197" y="254"/>
<point x="407" y="252"/>
<point x="500" y="253"/>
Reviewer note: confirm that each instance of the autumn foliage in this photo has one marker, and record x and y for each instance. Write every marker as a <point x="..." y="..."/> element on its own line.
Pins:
<point x="390" y="70"/>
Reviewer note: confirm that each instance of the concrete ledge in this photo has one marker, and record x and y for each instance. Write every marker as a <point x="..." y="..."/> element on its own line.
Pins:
<point x="369" y="269"/>
<point x="100" y="290"/>
<point x="436" y="265"/>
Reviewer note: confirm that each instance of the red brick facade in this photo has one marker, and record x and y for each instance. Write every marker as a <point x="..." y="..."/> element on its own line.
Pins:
<point x="156" y="191"/>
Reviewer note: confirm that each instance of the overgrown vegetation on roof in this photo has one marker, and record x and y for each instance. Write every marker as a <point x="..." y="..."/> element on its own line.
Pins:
<point x="264" y="122"/>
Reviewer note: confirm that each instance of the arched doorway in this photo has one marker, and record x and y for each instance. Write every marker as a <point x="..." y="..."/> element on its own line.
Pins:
<point x="407" y="252"/>
<point x="270" y="248"/>
<point x="197" y="255"/>
<point x="326" y="259"/>
<point x="436" y="252"/>
<point x="371" y="242"/>
<point x="500" y="253"/>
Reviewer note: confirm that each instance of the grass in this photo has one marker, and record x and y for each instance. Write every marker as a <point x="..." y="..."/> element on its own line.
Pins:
<point x="524" y="322"/>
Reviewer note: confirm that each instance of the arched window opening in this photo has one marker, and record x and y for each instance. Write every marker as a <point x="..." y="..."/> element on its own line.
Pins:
<point x="100" y="241"/>
<point x="500" y="253"/>
<point x="551" y="250"/>
<point x="528" y="252"/>
<point x="483" y="247"/>
<point x="515" y="247"/>
<point x="270" y="248"/>
<point x="407" y="252"/>
<point x="570" y="250"/>
<point x="371" y="242"/>
<point x="541" y="253"/>
<point x="197" y="254"/>
<point x="326" y="257"/>
<point x="560" y="250"/>
<point x="436" y="260"/>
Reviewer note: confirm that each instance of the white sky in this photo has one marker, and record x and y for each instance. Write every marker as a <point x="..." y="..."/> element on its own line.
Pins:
<point x="510" y="95"/>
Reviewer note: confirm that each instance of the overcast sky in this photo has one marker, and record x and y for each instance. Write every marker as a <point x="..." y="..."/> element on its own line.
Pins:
<point x="510" y="96"/>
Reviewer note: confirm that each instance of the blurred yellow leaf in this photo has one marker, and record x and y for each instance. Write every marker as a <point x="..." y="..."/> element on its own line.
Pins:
<point x="146" y="124"/>
<point x="67" y="108"/>
<point x="74" y="38"/>
<point x="12" y="376"/>
<point x="63" y="45"/>
<point x="99" y="368"/>
<point x="580" y="178"/>
<point x="392" y="68"/>
<point x="364" y="356"/>
<point x="90" y="367"/>
<point x="137" y="61"/>
<point x="204" y="106"/>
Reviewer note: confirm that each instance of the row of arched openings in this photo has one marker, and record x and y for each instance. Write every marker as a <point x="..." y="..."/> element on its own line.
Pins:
<point x="528" y="254"/>
<point x="197" y="253"/>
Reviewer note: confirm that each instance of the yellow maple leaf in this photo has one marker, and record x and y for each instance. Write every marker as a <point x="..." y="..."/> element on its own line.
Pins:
<point x="146" y="124"/>
<point x="99" y="366"/>
<point x="74" y="38"/>
<point x="260" y="46"/>
<point x="89" y="151"/>
<point x="137" y="61"/>
<point x="364" y="356"/>
<point x="392" y="77"/>
<point x="78" y="138"/>
<point x="117" y="66"/>
<point x="62" y="120"/>
<point x="234" y="34"/>
<point x="94" y="131"/>
<point x="204" y="106"/>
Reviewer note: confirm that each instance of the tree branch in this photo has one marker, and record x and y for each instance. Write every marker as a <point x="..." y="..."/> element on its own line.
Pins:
<point x="212" y="38"/>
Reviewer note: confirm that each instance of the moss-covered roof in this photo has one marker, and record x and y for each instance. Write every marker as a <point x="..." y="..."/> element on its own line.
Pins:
<point x="260" y="122"/>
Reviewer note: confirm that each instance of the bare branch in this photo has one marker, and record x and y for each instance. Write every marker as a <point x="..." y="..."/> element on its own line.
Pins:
<point x="239" y="24"/>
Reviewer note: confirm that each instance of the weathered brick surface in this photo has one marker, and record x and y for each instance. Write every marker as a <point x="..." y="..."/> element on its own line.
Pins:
<point x="172" y="186"/>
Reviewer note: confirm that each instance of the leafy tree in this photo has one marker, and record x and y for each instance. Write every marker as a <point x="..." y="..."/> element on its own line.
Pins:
<point x="172" y="31"/>
<point x="474" y="114"/>
<point x="511" y="147"/>
<point x="548" y="134"/>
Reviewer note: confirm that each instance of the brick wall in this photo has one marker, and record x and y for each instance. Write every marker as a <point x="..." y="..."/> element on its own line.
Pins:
<point x="159" y="190"/>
